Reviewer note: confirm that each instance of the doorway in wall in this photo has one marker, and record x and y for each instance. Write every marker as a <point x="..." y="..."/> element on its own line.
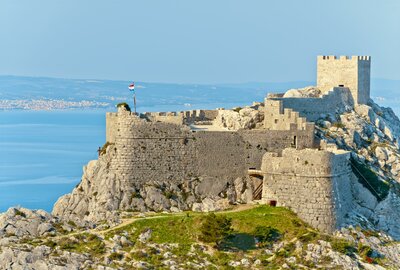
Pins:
<point x="294" y="142"/>
<point x="257" y="181"/>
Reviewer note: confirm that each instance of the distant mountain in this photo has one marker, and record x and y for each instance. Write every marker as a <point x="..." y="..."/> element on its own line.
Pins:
<point x="385" y="92"/>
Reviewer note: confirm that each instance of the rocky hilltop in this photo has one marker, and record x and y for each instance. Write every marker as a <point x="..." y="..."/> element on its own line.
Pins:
<point x="107" y="223"/>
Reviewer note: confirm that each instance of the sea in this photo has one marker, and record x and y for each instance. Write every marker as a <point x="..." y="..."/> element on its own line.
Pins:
<point x="42" y="153"/>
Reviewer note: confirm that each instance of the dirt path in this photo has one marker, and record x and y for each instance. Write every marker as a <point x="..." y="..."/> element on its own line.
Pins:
<point x="128" y="221"/>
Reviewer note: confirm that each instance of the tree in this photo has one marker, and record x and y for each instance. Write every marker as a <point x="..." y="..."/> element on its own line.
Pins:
<point x="214" y="229"/>
<point x="266" y="234"/>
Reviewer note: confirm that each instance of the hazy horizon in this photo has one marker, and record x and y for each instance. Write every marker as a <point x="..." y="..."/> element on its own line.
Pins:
<point x="208" y="42"/>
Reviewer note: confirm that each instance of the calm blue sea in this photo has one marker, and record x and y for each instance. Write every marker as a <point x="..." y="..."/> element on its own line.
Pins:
<point x="42" y="152"/>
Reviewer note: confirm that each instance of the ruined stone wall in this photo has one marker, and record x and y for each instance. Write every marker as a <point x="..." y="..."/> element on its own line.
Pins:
<point x="353" y="73"/>
<point x="182" y="117"/>
<point x="312" y="109"/>
<point x="313" y="183"/>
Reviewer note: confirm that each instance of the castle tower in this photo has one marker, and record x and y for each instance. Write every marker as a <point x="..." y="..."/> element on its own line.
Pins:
<point x="353" y="73"/>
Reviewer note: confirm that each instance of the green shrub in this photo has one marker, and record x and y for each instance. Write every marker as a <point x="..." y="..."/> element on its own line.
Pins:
<point x="338" y="125"/>
<point x="365" y="251"/>
<point x="50" y="244"/>
<point x="168" y="194"/>
<point x="71" y="223"/>
<point x="266" y="234"/>
<point x="124" y="104"/>
<point x="115" y="256"/>
<point x="343" y="246"/>
<point x="214" y="229"/>
<point x="19" y="213"/>
<point x="308" y="237"/>
<point x="237" y="109"/>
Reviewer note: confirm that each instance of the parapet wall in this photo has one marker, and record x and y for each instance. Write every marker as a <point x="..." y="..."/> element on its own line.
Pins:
<point x="177" y="118"/>
<point x="335" y="100"/>
<point x="182" y="117"/>
<point x="353" y="73"/>
<point x="313" y="183"/>
<point x="278" y="118"/>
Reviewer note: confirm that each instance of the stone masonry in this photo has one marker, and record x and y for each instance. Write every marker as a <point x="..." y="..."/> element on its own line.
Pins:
<point x="313" y="183"/>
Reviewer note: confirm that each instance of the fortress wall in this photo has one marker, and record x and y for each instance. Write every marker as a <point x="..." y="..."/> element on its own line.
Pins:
<point x="343" y="198"/>
<point x="111" y="127"/>
<point x="310" y="182"/>
<point x="220" y="154"/>
<point x="153" y="151"/>
<point x="258" y="142"/>
<point x="159" y="151"/>
<point x="310" y="108"/>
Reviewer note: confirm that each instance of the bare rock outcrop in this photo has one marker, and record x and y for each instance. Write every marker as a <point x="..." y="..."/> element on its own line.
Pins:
<point x="41" y="257"/>
<point x="372" y="134"/>
<point x="309" y="91"/>
<point x="239" y="118"/>
<point x="100" y="196"/>
<point x="22" y="222"/>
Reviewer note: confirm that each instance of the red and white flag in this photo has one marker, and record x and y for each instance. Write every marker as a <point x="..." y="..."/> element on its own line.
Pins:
<point x="132" y="87"/>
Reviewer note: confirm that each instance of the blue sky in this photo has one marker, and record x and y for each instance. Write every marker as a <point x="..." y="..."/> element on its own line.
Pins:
<point x="207" y="41"/>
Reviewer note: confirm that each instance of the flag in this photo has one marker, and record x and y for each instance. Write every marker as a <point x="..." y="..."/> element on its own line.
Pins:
<point x="132" y="87"/>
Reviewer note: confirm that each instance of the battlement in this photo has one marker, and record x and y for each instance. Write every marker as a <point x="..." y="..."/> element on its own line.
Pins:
<point x="181" y="117"/>
<point x="344" y="57"/>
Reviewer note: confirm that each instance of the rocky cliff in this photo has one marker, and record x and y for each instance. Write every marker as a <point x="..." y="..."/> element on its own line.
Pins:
<point x="101" y="197"/>
<point x="372" y="135"/>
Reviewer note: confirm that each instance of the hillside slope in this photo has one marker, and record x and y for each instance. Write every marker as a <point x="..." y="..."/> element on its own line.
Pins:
<point x="261" y="237"/>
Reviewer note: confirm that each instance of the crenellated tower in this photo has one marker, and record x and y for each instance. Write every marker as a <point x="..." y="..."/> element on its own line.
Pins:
<point x="353" y="73"/>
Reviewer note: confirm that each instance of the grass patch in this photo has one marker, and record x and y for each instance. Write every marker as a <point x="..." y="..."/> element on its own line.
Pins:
<point x="82" y="243"/>
<point x="343" y="246"/>
<point x="185" y="229"/>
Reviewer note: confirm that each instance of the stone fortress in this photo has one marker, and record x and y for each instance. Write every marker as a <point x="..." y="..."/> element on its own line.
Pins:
<point x="287" y="164"/>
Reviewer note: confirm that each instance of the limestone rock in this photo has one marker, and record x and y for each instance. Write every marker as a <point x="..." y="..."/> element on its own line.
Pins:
<point x="381" y="153"/>
<point x="40" y="257"/>
<point x="309" y="91"/>
<point x="23" y="222"/>
<point x="246" y="118"/>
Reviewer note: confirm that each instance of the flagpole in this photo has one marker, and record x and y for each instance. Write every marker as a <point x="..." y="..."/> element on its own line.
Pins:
<point x="134" y="99"/>
<point x="131" y="87"/>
